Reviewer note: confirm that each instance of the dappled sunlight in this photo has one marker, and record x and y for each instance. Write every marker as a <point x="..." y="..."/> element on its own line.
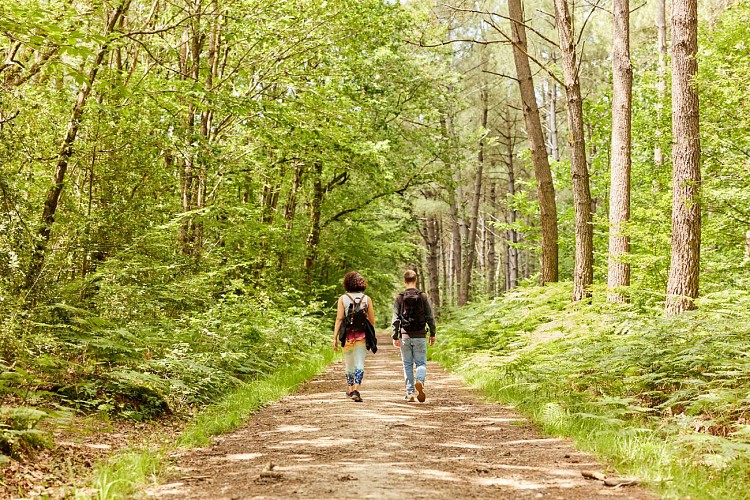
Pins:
<point x="534" y="441"/>
<point x="517" y="484"/>
<point x="468" y="446"/>
<point x="321" y="442"/>
<point x="494" y="420"/>
<point x="324" y="445"/>
<point x="293" y="428"/>
<point x="555" y="471"/>
<point x="243" y="456"/>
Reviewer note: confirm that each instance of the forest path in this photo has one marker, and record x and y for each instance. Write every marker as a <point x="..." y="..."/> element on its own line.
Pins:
<point x="324" y="445"/>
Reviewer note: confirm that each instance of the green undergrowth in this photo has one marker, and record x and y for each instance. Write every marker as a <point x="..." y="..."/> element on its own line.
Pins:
<point x="122" y="474"/>
<point x="666" y="399"/>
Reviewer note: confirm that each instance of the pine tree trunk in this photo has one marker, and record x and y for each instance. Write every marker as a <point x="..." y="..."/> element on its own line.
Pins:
<point x="684" y="269"/>
<point x="661" y="85"/>
<point x="513" y="261"/>
<point x="445" y="261"/>
<point x="545" y="188"/>
<point x="619" y="205"/>
<point x="491" y="257"/>
<point x="463" y="297"/>
<point x="552" y="117"/>
<point x="433" y="258"/>
<point x="583" y="273"/>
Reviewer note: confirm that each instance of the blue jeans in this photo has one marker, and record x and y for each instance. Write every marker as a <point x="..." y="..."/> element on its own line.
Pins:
<point x="414" y="352"/>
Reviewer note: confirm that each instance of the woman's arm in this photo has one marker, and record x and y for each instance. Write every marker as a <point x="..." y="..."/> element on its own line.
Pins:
<point x="337" y="325"/>
<point x="371" y="313"/>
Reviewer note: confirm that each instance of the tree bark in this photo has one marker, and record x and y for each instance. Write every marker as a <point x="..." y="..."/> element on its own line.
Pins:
<point x="433" y="257"/>
<point x="583" y="273"/>
<point x="513" y="262"/>
<point x="445" y="261"/>
<point x="618" y="271"/>
<point x="457" y="222"/>
<point x="552" y="115"/>
<point x="684" y="270"/>
<point x="291" y="203"/>
<point x="661" y="84"/>
<point x="545" y="188"/>
<point x="66" y="152"/>
<point x="468" y="265"/>
<point x="311" y="254"/>
<point x="491" y="256"/>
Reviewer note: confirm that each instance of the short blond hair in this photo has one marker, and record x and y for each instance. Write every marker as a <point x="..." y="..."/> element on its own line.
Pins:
<point x="410" y="276"/>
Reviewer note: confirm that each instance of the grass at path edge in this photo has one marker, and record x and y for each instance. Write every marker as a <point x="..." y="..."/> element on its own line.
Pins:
<point x="120" y="474"/>
<point x="587" y="371"/>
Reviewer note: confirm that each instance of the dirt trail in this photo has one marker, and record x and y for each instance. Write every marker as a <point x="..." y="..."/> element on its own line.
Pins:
<point x="322" y="445"/>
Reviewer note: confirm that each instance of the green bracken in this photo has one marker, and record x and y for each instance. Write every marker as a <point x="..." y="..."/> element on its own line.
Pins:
<point x="662" y="398"/>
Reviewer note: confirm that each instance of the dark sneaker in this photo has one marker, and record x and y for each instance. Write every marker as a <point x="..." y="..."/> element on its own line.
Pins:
<point x="356" y="397"/>
<point x="419" y="386"/>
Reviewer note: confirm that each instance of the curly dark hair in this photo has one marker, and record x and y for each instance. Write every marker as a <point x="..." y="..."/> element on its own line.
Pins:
<point x="354" y="282"/>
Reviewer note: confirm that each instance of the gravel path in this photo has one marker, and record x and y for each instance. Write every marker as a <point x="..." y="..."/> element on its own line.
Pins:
<point x="319" y="444"/>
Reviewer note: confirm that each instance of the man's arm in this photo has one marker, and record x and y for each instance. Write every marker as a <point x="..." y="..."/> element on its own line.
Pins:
<point x="395" y="322"/>
<point x="429" y="317"/>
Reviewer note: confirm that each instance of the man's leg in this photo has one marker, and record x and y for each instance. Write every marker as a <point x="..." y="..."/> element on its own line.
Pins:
<point x="419" y="350"/>
<point x="407" y="357"/>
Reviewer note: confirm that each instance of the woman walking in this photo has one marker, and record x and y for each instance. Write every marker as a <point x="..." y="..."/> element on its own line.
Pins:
<point x="353" y="304"/>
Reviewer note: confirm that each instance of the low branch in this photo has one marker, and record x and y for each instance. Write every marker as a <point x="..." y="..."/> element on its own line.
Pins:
<point x="536" y="61"/>
<point x="399" y="191"/>
<point x="501" y="16"/>
<point x="455" y="40"/>
<point x="499" y="74"/>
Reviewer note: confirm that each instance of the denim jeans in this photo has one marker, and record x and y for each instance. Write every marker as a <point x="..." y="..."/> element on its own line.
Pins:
<point x="414" y="352"/>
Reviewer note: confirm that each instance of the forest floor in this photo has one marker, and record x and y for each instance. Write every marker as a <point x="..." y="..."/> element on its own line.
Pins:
<point x="317" y="443"/>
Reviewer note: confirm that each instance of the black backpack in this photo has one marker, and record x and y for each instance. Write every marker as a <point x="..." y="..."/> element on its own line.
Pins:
<point x="412" y="314"/>
<point x="356" y="316"/>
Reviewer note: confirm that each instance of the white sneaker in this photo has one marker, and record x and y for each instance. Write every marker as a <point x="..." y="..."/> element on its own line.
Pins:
<point x="409" y="398"/>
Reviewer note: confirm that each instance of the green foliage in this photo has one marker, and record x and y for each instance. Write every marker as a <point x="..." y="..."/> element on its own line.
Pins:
<point x="122" y="474"/>
<point x="665" y="397"/>
<point x="18" y="432"/>
<point x="724" y="69"/>
<point x="119" y="476"/>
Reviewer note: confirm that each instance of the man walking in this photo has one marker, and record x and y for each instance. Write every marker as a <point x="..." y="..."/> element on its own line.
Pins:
<point x="412" y="312"/>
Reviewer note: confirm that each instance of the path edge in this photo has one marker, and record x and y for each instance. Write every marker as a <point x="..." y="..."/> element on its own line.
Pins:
<point x="124" y="473"/>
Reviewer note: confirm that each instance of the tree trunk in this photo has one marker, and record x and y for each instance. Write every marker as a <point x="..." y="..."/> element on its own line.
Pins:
<point x="463" y="297"/>
<point x="583" y="273"/>
<point x="512" y="250"/>
<point x="661" y="84"/>
<point x="491" y="256"/>
<point x="618" y="273"/>
<point x="545" y="188"/>
<point x="311" y="254"/>
<point x="291" y="202"/>
<point x="433" y="257"/>
<point x="684" y="269"/>
<point x="445" y="259"/>
<point x="552" y="115"/>
<point x="66" y="152"/>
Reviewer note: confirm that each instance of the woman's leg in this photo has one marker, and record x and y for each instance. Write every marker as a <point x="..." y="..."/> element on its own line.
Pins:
<point x="359" y="354"/>
<point x="349" y="366"/>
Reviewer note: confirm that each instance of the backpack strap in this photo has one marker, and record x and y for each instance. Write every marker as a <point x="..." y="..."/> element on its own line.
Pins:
<point x="354" y="302"/>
